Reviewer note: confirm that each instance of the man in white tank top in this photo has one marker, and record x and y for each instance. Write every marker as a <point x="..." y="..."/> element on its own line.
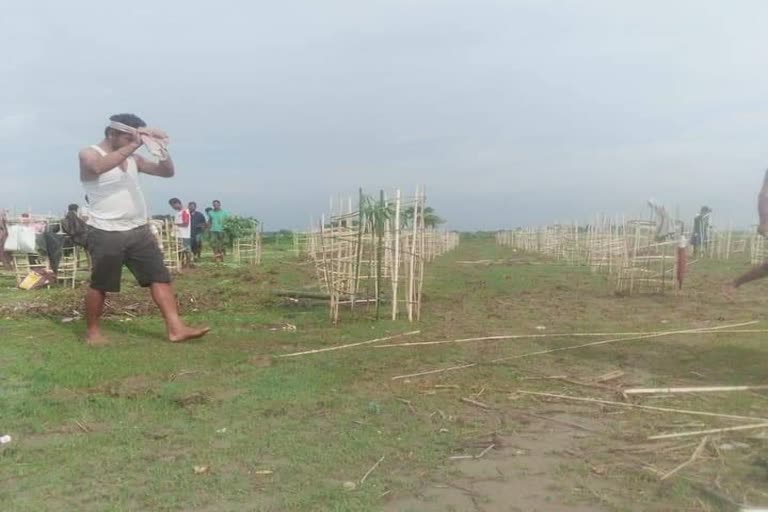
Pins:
<point x="118" y="226"/>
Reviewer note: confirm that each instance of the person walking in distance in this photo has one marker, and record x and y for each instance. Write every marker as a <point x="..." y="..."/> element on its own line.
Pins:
<point x="217" y="216"/>
<point x="118" y="229"/>
<point x="198" y="228"/>
<point x="183" y="226"/>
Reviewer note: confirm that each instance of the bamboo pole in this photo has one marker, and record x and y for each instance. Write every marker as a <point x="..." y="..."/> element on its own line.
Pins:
<point x="707" y="432"/>
<point x="565" y="335"/>
<point x="636" y="406"/>
<point x="616" y="340"/>
<point x="348" y="345"/>
<point x="693" y="389"/>
<point x="395" y="274"/>
<point x="412" y="262"/>
<point x="359" y="248"/>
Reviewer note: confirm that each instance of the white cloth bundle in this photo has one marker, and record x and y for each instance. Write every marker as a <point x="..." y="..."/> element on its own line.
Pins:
<point x="156" y="140"/>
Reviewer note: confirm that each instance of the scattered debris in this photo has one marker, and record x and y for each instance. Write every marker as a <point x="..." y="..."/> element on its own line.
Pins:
<point x="408" y="403"/>
<point x="474" y="457"/>
<point x="264" y="472"/>
<point x="201" y="470"/>
<point x="82" y="427"/>
<point x="476" y="403"/>
<point x="553" y="420"/>
<point x="191" y="399"/>
<point x="482" y="453"/>
<point x="5" y="439"/>
<point x="613" y="375"/>
<point x="367" y="474"/>
<point x="695" y="455"/>
<point x="349" y="486"/>
<point x="221" y="431"/>
<point x="734" y="445"/>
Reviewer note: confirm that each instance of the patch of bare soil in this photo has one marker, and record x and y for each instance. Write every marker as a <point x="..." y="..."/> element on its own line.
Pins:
<point x="523" y="472"/>
<point x="135" y="386"/>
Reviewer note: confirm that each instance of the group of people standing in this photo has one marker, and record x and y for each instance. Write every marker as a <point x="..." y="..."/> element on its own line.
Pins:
<point x="192" y="225"/>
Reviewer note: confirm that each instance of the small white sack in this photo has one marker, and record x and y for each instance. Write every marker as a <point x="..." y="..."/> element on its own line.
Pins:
<point x="20" y="239"/>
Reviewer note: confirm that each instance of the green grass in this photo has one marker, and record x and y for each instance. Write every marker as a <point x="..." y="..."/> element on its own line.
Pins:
<point x="153" y="410"/>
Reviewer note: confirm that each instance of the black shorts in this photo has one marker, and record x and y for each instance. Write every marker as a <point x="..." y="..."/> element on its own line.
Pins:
<point x="136" y="249"/>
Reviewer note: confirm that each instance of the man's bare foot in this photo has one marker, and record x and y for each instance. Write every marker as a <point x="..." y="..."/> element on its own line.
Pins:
<point x="95" y="339"/>
<point x="762" y="229"/>
<point x="187" y="334"/>
<point x="729" y="291"/>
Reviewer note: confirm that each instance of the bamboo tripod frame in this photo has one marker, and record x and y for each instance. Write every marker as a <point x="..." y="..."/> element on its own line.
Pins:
<point x="375" y="253"/>
<point x="248" y="250"/>
<point x="169" y="244"/>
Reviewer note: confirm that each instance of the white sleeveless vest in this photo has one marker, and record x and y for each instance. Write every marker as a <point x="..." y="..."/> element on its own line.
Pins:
<point x="115" y="200"/>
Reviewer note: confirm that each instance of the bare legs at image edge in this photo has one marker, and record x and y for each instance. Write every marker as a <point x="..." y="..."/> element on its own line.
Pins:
<point x="162" y="294"/>
<point x="759" y="271"/>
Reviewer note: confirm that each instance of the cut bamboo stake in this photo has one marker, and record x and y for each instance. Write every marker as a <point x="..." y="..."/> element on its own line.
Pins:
<point x="646" y="407"/>
<point x="698" y="389"/>
<point x="695" y="455"/>
<point x="350" y="345"/>
<point x="367" y="474"/>
<point x="710" y="431"/>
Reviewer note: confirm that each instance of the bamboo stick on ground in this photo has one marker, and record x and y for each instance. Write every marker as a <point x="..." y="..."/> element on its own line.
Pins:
<point x="710" y="431"/>
<point x="616" y="340"/>
<point x="368" y="473"/>
<point x="566" y="335"/>
<point x="471" y="365"/>
<point x="646" y="407"/>
<point x="695" y="389"/>
<point x="349" y="345"/>
<point x="696" y="453"/>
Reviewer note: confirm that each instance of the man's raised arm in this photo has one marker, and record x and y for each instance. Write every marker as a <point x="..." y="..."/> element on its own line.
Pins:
<point x="92" y="164"/>
<point x="163" y="168"/>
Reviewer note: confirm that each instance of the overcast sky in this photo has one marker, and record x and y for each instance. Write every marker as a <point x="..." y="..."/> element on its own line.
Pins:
<point x="511" y="112"/>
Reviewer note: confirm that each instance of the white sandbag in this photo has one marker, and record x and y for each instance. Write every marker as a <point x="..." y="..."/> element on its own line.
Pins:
<point x="20" y="239"/>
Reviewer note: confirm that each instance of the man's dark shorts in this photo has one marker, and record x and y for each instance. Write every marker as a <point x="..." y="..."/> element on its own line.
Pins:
<point x="136" y="249"/>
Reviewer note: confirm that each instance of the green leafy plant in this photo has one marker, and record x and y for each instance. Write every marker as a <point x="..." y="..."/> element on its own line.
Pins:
<point x="236" y="227"/>
<point x="431" y="219"/>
